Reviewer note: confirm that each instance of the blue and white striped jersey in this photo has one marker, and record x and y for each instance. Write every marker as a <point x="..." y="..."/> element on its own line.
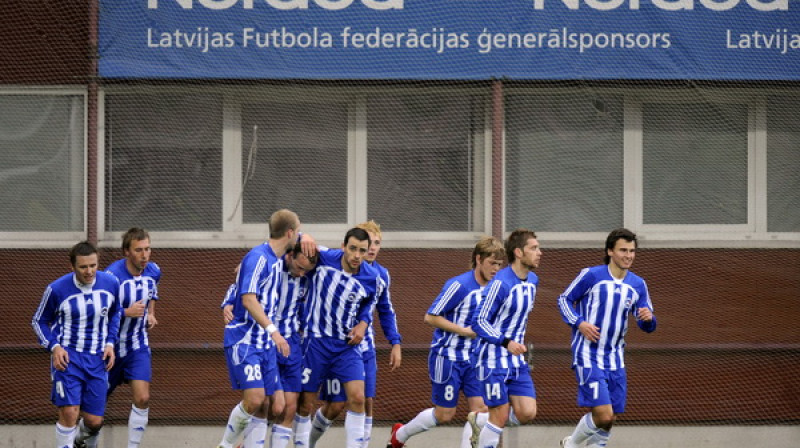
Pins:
<point x="338" y="301"/>
<point x="595" y="296"/>
<point x="133" y="330"/>
<point x="82" y="317"/>
<point x="386" y="313"/>
<point x="287" y="298"/>
<point x="253" y="277"/>
<point x="456" y="303"/>
<point x="503" y="313"/>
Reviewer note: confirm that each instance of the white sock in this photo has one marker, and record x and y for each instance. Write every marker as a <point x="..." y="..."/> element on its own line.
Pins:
<point x="237" y="421"/>
<point x="255" y="434"/>
<point x="465" y="435"/>
<point x="354" y="429"/>
<point x="367" y="431"/>
<point x="490" y="436"/>
<point x="424" y="421"/>
<point x="512" y="418"/>
<point x="583" y="430"/>
<point x="137" y="424"/>
<point x="281" y="436"/>
<point x="599" y="439"/>
<point x="65" y="437"/>
<point x="302" y="430"/>
<point x="319" y="425"/>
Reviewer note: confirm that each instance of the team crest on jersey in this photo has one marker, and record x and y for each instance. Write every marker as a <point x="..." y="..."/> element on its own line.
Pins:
<point x="353" y="297"/>
<point x="104" y="311"/>
<point x="628" y="302"/>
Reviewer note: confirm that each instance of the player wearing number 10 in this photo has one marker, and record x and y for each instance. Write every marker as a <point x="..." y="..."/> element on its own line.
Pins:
<point x="500" y="322"/>
<point x="597" y="305"/>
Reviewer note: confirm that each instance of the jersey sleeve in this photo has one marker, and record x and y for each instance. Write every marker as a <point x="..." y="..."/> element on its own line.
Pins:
<point x="114" y="313"/>
<point x="449" y="298"/>
<point x="230" y="296"/>
<point x="572" y="295"/>
<point x="386" y="313"/>
<point x="484" y="314"/>
<point x="44" y="318"/>
<point x="250" y="272"/>
<point x="644" y="302"/>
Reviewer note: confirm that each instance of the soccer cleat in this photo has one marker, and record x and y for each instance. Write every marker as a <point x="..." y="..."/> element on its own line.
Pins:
<point x="79" y="444"/>
<point x="565" y="441"/>
<point x="472" y="418"/>
<point x="393" y="442"/>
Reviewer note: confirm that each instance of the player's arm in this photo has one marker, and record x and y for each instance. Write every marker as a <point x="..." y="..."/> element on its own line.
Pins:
<point x="388" y="319"/>
<point x="486" y="311"/>
<point x="254" y="307"/>
<point x="442" y="323"/>
<point x="570" y="313"/>
<point x="151" y="314"/>
<point x="645" y="318"/>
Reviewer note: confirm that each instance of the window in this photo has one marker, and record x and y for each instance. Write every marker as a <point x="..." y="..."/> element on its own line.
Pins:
<point x="783" y="164"/>
<point x="422" y="155"/>
<point x="564" y="167"/>
<point x="42" y="166"/>
<point x="163" y="162"/>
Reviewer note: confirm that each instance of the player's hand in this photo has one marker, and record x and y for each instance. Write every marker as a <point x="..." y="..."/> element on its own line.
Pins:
<point x="151" y="320"/>
<point x="108" y="356"/>
<point x="644" y="314"/>
<point x="589" y="331"/>
<point x="135" y="310"/>
<point x="515" y="348"/>
<point x="308" y="245"/>
<point x="281" y="344"/>
<point x="395" y="357"/>
<point x="227" y="314"/>
<point x="356" y="335"/>
<point x="469" y="333"/>
<point x="60" y="358"/>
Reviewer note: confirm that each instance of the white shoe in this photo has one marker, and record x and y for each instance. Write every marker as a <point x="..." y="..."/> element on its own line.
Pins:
<point x="565" y="441"/>
<point x="472" y="418"/>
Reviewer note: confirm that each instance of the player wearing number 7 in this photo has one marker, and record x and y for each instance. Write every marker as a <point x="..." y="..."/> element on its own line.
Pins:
<point x="500" y="321"/>
<point x="597" y="305"/>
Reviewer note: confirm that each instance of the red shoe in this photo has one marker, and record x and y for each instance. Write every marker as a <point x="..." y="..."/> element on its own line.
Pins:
<point x="393" y="442"/>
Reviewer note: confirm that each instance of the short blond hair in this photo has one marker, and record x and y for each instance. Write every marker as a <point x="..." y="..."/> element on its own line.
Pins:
<point x="281" y="222"/>
<point x="372" y="227"/>
<point x="486" y="247"/>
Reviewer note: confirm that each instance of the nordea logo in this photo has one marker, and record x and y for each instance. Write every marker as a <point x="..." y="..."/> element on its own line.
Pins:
<point x="279" y="4"/>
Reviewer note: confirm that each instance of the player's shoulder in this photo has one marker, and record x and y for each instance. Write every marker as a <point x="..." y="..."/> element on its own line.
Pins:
<point x="633" y="279"/>
<point x="117" y="268"/>
<point x="65" y="281"/>
<point x="152" y="270"/>
<point x="382" y="270"/>
<point x="465" y="280"/>
<point x="104" y="280"/>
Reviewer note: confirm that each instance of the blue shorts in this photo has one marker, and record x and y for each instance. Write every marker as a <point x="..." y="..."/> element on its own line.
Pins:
<point x="136" y="365"/>
<point x="84" y="383"/>
<point x="449" y="377"/>
<point x="251" y="368"/>
<point x="333" y="391"/>
<point x="598" y="387"/>
<point x="499" y="383"/>
<point x="291" y="367"/>
<point x="330" y="358"/>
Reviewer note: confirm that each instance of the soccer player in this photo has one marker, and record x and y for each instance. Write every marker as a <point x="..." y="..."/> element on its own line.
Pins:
<point x="78" y="322"/>
<point x="289" y="289"/>
<point x="248" y="337"/>
<point x="500" y="321"/>
<point x="451" y="365"/>
<point x="138" y="278"/>
<point x="597" y="305"/>
<point x="338" y="312"/>
<point x="333" y="396"/>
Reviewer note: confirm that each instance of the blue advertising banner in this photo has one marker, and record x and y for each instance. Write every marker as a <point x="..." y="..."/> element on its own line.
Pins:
<point x="450" y="39"/>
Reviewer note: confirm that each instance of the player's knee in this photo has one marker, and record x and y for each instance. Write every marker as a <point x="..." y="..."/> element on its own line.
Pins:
<point x="93" y="423"/>
<point x="526" y="415"/>
<point x="142" y="401"/>
<point x="604" y="420"/>
<point x="443" y="415"/>
<point x="356" y="401"/>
